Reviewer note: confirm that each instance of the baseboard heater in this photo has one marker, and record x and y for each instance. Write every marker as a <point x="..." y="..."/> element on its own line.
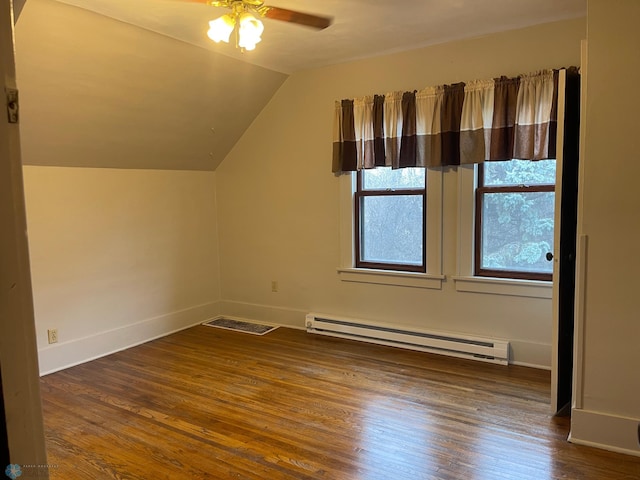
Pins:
<point x="462" y="346"/>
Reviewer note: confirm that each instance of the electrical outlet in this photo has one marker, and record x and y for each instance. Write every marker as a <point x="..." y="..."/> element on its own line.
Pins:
<point x="274" y="285"/>
<point x="53" y="335"/>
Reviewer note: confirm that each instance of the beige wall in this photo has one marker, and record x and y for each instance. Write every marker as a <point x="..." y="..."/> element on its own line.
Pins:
<point x="608" y="394"/>
<point x="119" y="256"/>
<point x="279" y="203"/>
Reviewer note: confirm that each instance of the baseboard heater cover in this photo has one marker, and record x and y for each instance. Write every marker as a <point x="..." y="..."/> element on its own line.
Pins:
<point x="462" y="346"/>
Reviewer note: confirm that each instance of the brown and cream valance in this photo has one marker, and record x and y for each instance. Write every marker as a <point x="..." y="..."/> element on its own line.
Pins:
<point x="483" y="120"/>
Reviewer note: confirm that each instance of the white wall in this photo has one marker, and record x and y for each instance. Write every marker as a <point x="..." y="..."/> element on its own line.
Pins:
<point x="279" y="202"/>
<point x="119" y="256"/>
<point x="607" y="409"/>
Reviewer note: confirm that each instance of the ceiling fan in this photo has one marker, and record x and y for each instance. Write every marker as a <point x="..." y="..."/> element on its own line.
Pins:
<point x="250" y="29"/>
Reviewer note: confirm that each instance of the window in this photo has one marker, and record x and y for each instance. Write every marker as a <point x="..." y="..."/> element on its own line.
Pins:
<point x="390" y="224"/>
<point x="514" y="219"/>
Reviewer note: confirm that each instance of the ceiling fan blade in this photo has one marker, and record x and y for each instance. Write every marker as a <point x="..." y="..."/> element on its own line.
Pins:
<point x="211" y="3"/>
<point x="292" y="16"/>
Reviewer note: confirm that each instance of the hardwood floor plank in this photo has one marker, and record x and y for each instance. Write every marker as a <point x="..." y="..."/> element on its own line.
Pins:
<point x="209" y="403"/>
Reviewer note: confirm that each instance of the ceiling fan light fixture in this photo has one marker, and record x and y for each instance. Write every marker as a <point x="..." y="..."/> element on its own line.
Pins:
<point x="221" y="28"/>
<point x="249" y="28"/>
<point x="250" y="31"/>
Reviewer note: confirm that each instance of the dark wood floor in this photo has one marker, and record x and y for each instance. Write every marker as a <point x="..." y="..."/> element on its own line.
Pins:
<point x="209" y="403"/>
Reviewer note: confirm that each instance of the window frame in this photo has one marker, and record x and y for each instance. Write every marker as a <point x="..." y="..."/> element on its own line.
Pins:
<point x="359" y="195"/>
<point x="346" y="269"/>
<point x="480" y="191"/>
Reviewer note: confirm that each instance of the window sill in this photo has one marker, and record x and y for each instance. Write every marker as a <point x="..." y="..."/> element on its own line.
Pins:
<point x="504" y="286"/>
<point x="385" y="277"/>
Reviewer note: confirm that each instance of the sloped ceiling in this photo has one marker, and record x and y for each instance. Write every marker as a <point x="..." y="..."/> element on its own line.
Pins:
<point x="17" y="8"/>
<point x="136" y="83"/>
<point x="96" y="92"/>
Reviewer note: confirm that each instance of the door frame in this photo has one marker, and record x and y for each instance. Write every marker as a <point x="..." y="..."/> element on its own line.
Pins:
<point x="20" y="374"/>
<point x="565" y="242"/>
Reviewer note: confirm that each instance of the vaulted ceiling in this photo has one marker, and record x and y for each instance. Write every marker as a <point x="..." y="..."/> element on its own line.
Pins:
<point x="137" y="84"/>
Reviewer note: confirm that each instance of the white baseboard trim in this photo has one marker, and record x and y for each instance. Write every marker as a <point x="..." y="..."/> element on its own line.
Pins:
<point x="53" y="358"/>
<point x="537" y="366"/>
<point x="606" y="431"/>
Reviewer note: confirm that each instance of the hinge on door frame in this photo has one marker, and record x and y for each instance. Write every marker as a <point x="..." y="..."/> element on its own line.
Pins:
<point x="13" y="105"/>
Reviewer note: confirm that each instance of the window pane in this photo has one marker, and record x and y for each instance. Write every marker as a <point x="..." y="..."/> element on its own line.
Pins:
<point x="517" y="231"/>
<point x="519" y="172"/>
<point x="386" y="178"/>
<point x="391" y="230"/>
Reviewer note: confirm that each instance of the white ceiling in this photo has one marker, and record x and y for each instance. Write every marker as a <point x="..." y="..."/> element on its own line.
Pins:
<point x="361" y="28"/>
